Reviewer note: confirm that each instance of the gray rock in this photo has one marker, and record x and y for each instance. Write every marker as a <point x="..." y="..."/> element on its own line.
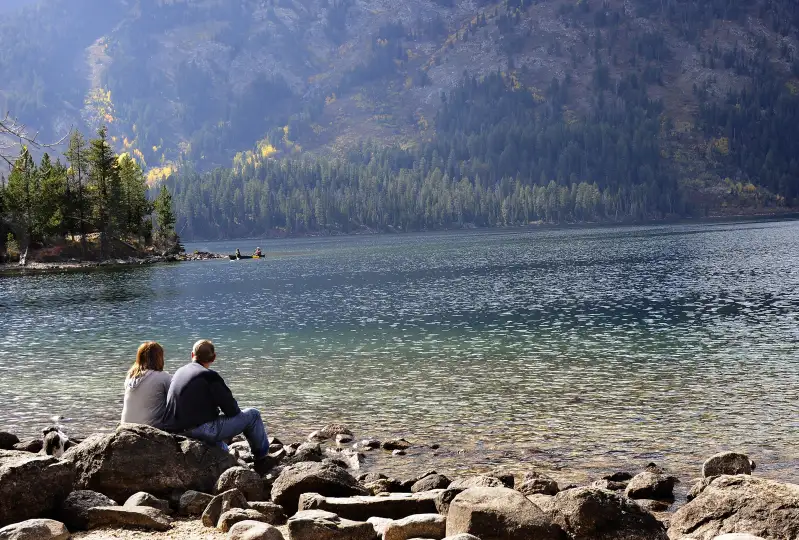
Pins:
<point x="396" y="444"/>
<point x="730" y="463"/>
<point x="619" y="477"/>
<point x="145" y="499"/>
<point x="321" y="478"/>
<point x="651" y="485"/>
<point x="482" y="480"/>
<point x="7" y="440"/>
<point x="499" y="513"/>
<point x="220" y="504"/>
<point x="140" y="517"/>
<point x="254" y="530"/>
<point x="463" y="536"/>
<point x="433" y="481"/>
<point x="610" y="485"/>
<point x="74" y="511"/>
<point x="307" y="452"/>
<point x="142" y="458"/>
<point x="32" y="445"/>
<point x="331" y="430"/>
<point x="273" y="512"/>
<point x="652" y="505"/>
<point x="320" y="525"/>
<point x="741" y="503"/>
<point x="236" y="515"/>
<point x="596" y="514"/>
<point x="31" y="485"/>
<point x="386" y="485"/>
<point x="193" y="503"/>
<point x="421" y="525"/>
<point x="374" y="444"/>
<point x="245" y="480"/>
<point x="538" y="484"/>
<point x="35" y="529"/>
<point x="445" y="498"/>
<point x="371" y="477"/>
<point x="392" y="506"/>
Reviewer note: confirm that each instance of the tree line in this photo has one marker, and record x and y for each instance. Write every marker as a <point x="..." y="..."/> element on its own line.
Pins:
<point x="94" y="190"/>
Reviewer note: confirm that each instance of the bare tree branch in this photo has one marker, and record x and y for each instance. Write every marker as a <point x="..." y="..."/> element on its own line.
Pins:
<point x="14" y="134"/>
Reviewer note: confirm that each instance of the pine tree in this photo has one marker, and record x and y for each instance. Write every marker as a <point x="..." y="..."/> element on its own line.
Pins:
<point x="105" y="181"/>
<point x="134" y="205"/>
<point x="21" y="199"/>
<point x="78" y="201"/>
<point x="165" y="221"/>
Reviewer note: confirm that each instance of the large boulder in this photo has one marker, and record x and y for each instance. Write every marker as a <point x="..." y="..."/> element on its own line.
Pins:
<point x="74" y="511"/>
<point x="321" y="525"/>
<point x="739" y="504"/>
<point x="392" y="506"/>
<point x="651" y="485"/>
<point x="494" y="513"/>
<point x="35" y="529"/>
<point x="730" y="463"/>
<point x="597" y="514"/>
<point x="31" y="485"/>
<point x="139" y="517"/>
<point x="142" y="458"/>
<point x="245" y="480"/>
<point x="311" y="477"/>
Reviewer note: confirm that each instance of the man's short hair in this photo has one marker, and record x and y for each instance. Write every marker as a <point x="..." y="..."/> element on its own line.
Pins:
<point x="203" y="351"/>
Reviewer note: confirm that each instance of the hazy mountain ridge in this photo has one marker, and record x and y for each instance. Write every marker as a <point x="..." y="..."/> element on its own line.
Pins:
<point x="200" y="80"/>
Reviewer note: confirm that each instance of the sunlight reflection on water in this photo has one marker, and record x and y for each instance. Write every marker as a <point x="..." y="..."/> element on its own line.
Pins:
<point x="578" y="350"/>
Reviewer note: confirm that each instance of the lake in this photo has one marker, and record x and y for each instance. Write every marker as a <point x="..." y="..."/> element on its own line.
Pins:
<point x="578" y="351"/>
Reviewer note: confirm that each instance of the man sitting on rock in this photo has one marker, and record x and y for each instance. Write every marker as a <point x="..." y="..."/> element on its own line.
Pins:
<point x="196" y="396"/>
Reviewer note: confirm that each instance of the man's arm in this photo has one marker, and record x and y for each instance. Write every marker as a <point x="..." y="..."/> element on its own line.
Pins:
<point x="223" y="397"/>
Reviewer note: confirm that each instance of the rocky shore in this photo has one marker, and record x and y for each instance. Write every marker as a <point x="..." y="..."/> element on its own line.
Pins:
<point x="139" y="482"/>
<point x="70" y="265"/>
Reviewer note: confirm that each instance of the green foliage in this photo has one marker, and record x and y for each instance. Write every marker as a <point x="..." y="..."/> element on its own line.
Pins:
<point x="165" y="220"/>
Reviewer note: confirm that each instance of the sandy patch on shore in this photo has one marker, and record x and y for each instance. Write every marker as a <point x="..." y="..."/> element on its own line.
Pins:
<point x="183" y="529"/>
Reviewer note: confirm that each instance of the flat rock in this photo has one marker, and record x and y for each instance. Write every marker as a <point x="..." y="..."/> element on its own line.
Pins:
<point x="74" y="511"/>
<point x="142" y="458"/>
<point x="730" y="463"/>
<point x="420" y="526"/>
<point x="392" y="506"/>
<point x="254" y="530"/>
<point x="31" y="485"/>
<point x="322" y="478"/>
<point x="739" y="504"/>
<point x="433" y="481"/>
<point x="245" y="480"/>
<point x="274" y="513"/>
<point x="499" y="513"/>
<point x="596" y="514"/>
<point x="235" y="515"/>
<point x="35" y="529"/>
<point x="32" y="445"/>
<point x="193" y="503"/>
<point x="145" y="499"/>
<point x="220" y="504"/>
<point x="7" y="440"/>
<point x="140" y="517"/>
<point x="651" y="485"/>
<point x="320" y="525"/>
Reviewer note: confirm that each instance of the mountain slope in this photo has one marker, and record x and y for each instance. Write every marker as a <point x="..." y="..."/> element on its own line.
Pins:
<point x="201" y="80"/>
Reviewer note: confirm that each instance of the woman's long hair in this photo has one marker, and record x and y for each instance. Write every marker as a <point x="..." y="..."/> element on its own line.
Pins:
<point x="150" y="356"/>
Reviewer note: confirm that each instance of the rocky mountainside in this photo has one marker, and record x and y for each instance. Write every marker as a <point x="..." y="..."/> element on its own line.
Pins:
<point x="201" y="80"/>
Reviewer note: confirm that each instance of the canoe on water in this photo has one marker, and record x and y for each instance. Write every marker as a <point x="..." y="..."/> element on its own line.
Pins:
<point x="234" y="257"/>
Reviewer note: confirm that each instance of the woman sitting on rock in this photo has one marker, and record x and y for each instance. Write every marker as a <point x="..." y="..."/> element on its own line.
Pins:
<point x="146" y="387"/>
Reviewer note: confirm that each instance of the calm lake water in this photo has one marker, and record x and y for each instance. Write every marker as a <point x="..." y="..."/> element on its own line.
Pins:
<point x="578" y="351"/>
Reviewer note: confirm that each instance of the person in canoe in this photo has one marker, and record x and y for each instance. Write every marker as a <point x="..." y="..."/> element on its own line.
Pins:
<point x="258" y="252"/>
<point x="238" y="253"/>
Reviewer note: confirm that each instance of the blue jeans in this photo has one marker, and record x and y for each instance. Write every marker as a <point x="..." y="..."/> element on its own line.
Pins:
<point x="248" y="421"/>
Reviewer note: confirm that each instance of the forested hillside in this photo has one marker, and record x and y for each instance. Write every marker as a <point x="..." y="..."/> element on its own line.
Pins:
<point x="424" y="114"/>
